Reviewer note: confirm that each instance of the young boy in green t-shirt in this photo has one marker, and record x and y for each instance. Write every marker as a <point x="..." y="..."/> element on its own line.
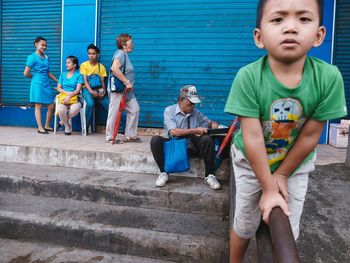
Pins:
<point x="282" y="101"/>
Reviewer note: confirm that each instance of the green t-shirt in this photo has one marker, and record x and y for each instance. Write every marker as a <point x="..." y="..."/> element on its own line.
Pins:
<point x="256" y="93"/>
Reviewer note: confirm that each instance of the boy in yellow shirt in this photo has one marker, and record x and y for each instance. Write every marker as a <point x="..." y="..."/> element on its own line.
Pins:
<point x="93" y="90"/>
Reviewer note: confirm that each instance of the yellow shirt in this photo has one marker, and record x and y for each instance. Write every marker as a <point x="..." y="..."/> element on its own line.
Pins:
<point x="87" y="69"/>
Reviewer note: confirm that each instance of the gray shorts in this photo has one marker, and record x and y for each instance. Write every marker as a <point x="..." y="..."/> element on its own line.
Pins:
<point x="247" y="216"/>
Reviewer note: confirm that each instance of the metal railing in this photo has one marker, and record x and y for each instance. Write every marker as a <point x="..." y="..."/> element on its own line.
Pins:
<point x="275" y="243"/>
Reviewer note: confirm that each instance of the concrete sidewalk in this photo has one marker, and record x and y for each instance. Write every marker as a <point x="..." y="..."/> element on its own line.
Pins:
<point x="80" y="192"/>
<point x="95" y="142"/>
<point x="324" y="232"/>
<point x="25" y="145"/>
<point x="20" y="136"/>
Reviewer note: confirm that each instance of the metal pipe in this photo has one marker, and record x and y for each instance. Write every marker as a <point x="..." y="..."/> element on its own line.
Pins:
<point x="283" y="243"/>
<point x="264" y="244"/>
<point x="279" y="234"/>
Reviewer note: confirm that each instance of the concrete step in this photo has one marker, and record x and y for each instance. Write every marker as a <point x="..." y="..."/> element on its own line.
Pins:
<point x="14" y="251"/>
<point x="182" y="194"/>
<point x="24" y="145"/>
<point x="165" y="235"/>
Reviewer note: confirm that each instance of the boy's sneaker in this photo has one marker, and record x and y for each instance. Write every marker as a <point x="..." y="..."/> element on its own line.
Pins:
<point x="162" y="179"/>
<point x="212" y="182"/>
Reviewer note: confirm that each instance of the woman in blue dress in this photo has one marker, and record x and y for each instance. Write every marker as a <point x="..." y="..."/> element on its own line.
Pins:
<point x="38" y="69"/>
<point x="69" y="86"/>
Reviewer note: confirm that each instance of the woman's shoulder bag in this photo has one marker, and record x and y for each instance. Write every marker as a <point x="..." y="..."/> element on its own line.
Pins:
<point x="116" y="85"/>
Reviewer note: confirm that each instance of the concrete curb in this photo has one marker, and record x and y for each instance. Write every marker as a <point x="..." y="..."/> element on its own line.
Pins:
<point x="21" y="251"/>
<point x="79" y="224"/>
<point x="130" y="189"/>
<point x="123" y="161"/>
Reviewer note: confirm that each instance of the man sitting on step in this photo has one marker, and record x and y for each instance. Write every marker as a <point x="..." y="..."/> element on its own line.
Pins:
<point x="183" y="119"/>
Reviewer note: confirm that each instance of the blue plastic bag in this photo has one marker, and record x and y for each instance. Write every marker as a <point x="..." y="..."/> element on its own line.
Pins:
<point x="175" y="156"/>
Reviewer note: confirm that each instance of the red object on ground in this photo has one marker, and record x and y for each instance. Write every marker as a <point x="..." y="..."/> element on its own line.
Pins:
<point x="122" y="106"/>
<point x="227" y="137"/>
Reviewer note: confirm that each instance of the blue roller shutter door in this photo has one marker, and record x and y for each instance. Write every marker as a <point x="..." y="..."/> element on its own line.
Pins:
<point x="342" y="44"/>
<point x="181" y="42"/>
<point x="21" y="23"/>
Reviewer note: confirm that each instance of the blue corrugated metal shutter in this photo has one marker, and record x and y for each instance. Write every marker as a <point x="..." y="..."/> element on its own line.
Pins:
<point x="342" y="44"/>
<point x="177" y="42"/>
<point x="21" y="23"/>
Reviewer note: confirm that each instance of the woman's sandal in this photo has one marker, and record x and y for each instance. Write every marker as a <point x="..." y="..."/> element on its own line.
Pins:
<point x="60" y="125"/>
<point x="69" y="132"/>
<point x="43" y="132"/>
<point x="117" y="141"/>
<point x="48" y="129"/>
<point x="133" y="139"/>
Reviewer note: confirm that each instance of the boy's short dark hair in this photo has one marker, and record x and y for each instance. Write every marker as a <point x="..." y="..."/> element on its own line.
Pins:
<point x="92" y="46"/>
<point x="262" y="3"/>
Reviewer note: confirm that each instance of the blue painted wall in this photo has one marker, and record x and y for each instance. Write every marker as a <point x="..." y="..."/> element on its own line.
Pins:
<point x="24" y="117"/>
<point x="78" y="28"/>
<point x="79" y="31"/>
<point x="20" y="25"/>
<point x="342" y="45"/>
<point x="325" y="50"/>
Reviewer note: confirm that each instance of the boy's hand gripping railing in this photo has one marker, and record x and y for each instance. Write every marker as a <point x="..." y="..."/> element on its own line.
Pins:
<point x="277" y="244"/>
